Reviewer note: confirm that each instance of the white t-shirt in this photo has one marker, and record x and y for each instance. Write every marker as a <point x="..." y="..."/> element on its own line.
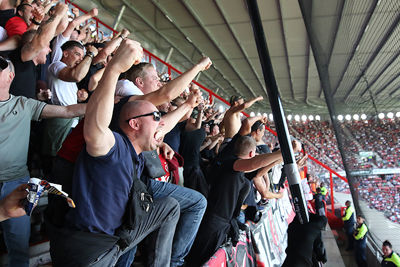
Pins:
<point x="127" y="88"/>
<point x="63" y="93"/>
<point x="56" y="52"/>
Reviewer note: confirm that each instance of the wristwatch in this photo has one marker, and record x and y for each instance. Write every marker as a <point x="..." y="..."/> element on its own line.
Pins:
<point x="90" y="54"/>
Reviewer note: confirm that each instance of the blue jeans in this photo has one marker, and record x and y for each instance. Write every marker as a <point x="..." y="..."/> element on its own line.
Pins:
<point x="192" y="207"/>
<point x="16" y="231"/>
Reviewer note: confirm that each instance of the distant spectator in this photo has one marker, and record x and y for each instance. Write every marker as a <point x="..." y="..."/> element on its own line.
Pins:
<point x="319" y="203"/>
<point x="349" y="222"/>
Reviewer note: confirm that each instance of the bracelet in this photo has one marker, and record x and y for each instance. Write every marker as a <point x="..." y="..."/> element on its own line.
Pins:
<point x="90" y="54"/>
<point x="35" y="22"/>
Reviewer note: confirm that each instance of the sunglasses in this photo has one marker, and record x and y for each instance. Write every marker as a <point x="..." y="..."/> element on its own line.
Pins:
<point x="5" y="63"/>
<point x="156" y="116"/>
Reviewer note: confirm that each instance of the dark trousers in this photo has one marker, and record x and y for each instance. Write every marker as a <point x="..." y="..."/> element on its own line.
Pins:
<point x="163" y="216"/>
<point x="361" y="252"/>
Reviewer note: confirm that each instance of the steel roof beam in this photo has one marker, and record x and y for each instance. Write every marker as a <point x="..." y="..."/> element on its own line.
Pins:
<point x="339" y="18"/>
<point x="285" y="47"/>
<point x="388" y="33"/>
<point x="353" y="50"/>
<point x="130" y="6"/>
<point x="380" y="73"/>
<point x="197" y="19"/>
<point x="240" y="46"/>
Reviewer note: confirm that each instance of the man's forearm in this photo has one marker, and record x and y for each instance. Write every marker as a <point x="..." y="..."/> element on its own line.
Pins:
<point x="77" y="110"/>
<point x="82" y="68"/>
<point x="101" y="103"/>
<point x="173" y="117"/>
<point x="42" y="37"/>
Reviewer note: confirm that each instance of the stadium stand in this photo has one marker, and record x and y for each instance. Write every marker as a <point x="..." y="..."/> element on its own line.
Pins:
<point x="265" y="238"/>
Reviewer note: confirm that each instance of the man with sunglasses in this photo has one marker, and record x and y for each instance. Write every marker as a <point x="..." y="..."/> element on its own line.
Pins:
<point x="106" y="169"/>
<point x="16" y="113"/>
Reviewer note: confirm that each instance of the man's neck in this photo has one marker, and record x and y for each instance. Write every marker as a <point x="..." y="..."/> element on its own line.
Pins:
<point x="4" y="95"/>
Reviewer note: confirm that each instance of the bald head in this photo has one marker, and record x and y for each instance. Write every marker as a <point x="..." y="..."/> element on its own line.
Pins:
<point x="132" y="109"/>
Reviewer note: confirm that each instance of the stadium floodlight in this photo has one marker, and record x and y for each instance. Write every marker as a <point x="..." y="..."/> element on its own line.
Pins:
<point x="222" y="109"/>
<point x="390" y="115"/>
<point x="311" y="117"/>
<point x="289" y="117"/>
<point x="252" y="114"/>
<point x="363" y="116"/>
<point x="258" y="114"/>
<point x="356" y="117"/>
<point x="340" y="117"/>
<point x="271" y="117"/>
<point x="381" y="116"/>
<point x="265" y="115"/>
<point x="318" y="118"/>
<point x="296" y="117"/>
<point x="303" y="117"/>
<point x="348" y="117"/>
<point x="398" y="114"/>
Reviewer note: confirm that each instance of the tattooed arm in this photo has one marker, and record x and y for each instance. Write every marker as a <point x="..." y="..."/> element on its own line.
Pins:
<point x="44" y="34"/>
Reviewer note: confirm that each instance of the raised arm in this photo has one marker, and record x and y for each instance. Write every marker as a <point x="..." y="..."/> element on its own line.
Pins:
<point x="44" y="34"/>
<point x="77" y="73"/>
<point x="259" y="161"/>
<point x="246" y="104"/>
<point x="173" y="117"/>
<point x="78" y="21"/>
<point x="245" y="129"/>
<point x="99" y="138"/>
<point x="199" y="119"/>
<point x="110" y="47"/>
<point x="175" y="87"/>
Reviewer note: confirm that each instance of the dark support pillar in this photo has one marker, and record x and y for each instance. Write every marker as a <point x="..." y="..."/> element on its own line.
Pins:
<point x="290" y="166"/>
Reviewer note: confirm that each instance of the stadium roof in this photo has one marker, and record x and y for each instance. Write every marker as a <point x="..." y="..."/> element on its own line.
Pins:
<point x="360" y="40"/>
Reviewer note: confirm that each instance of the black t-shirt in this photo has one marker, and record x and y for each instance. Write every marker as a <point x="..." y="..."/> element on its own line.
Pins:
<point x="84" y="83"/>
<point x="263" y="149"/>
<point x="24" y="83"/>
<point x="173" y="138"/>
<point x="190" y="147"/>
<point x="5" y="15"/>
<point x="228" y="191"/>
<point x="114" y="125"/>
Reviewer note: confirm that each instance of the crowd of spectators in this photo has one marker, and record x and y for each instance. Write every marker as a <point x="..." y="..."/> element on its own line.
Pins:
<point x="116" y="137"/>
<point x="381" y="193"/>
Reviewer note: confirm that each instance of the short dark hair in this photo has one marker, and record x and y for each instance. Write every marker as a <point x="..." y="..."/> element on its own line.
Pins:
<point x="235" y="98"/>
<point x="21" y="7"/>
<point x="137" y="71"/>
<point x="318" y="190"/>
<point x="244" y="144"/>
<point x="386" y="243"/>
<point x="257" y="125"/>
<point x="71" y="44"/>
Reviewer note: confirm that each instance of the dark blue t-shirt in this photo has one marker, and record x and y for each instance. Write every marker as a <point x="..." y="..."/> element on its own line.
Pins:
<point x="101" y="186"/>
<point x="173" y="138"/>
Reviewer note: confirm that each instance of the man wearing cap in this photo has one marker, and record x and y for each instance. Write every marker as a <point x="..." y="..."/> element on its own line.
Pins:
<point x="16" y="113"/>
<point x="231" y="122"/>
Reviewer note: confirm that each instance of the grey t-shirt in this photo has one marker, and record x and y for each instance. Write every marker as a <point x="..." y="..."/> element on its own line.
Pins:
<point x="16" y="114"/>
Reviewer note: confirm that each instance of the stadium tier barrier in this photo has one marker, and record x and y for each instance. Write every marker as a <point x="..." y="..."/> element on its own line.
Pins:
<point x="271" y="231"/>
